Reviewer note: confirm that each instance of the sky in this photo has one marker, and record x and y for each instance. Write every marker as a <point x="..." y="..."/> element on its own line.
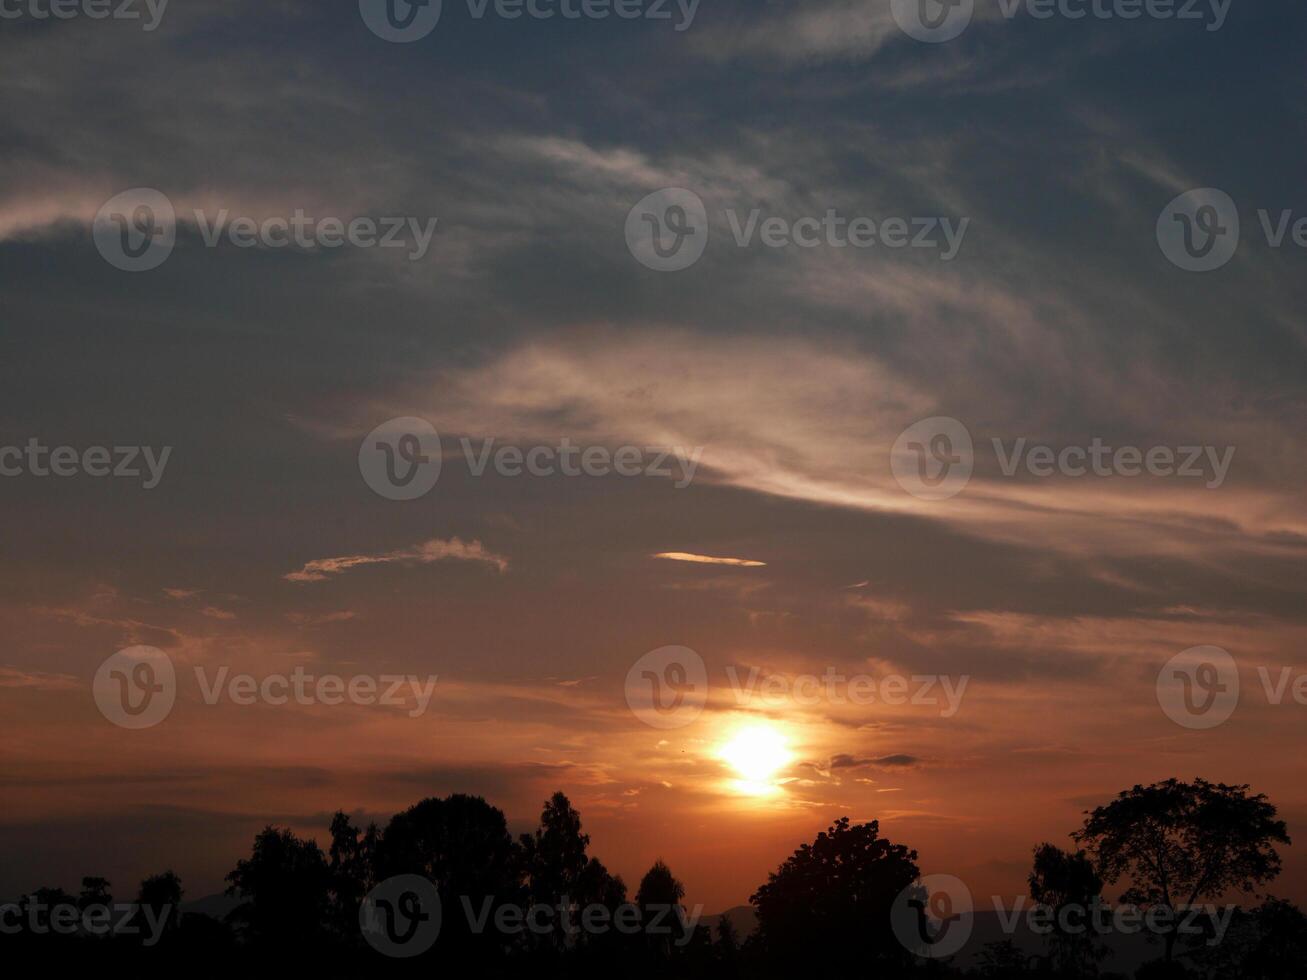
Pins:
<point x="769" y="395"/>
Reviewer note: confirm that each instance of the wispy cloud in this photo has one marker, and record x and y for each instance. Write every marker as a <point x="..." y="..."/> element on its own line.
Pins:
<point x="847" y="762"/>
<point x="431" y="551"/>
<point x="709" y="560"/>
<point x="36" y="680"/>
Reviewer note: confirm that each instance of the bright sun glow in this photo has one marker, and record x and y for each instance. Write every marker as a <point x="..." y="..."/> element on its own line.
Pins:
<point x="757" y="754"/>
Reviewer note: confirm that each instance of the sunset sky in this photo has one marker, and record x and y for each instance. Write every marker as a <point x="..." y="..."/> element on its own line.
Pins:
<point x="790" y="372"/>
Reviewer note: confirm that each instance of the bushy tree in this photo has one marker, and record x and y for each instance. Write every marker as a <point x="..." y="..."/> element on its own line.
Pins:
<point x="831" y="902"/>
<point x="285" y="886"/>
<point x="462" y="845"/>
<point x="1179" y="843"/>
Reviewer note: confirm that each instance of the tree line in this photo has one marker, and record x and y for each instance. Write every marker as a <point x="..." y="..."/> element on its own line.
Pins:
<point x="445" y="884"/>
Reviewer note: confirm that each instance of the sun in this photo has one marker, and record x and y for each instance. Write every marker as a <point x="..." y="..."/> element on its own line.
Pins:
<point x="756" y="753"/>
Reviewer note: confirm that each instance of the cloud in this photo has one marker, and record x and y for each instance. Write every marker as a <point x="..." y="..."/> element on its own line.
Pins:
<point x="37" y="680"/>
<point x="304" y="619"/>
<point x="706" y="560"/>
<point x="431" y="551"/>
<point x="845" y="762"/>
<point x="833" y="411"/>
<point x="810" y="31"/>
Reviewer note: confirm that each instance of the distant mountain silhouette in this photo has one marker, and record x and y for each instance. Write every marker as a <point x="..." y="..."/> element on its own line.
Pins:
<point x="217" y="906"/>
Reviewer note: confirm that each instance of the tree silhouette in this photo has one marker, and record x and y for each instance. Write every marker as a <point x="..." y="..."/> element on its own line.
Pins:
<point x="827" y="910"/>
<point x="284" y="884"/>
<point x="727" y="949"/>
<point x="352" y="869"/>
<point x="832" y="899"/>
<point x="36" y="909"/>
<point x="659" y="897"/>
<point x="95" y="891"/>
<point x="1265" y="943"/>
<point x="462" y="845"/>
<point x="728" y="937"/>
<point x="161" y="894"/>
<point x="555" y="856"/>
<point x="1003" y="961"/>
<point x="559" y="871"/>
<point x="1181" y="842"/>
<point x="160" y="891"/>
<point x="1063" y="881"/>
<point x="659" y="888"/>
